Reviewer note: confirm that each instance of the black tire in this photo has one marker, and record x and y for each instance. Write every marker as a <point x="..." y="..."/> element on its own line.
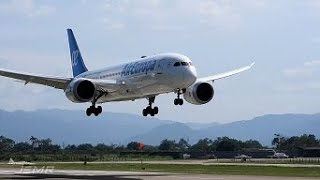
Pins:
<point x="180" y="102"/>
<point x="151" y="113"/>
<point x="99" y="109"/>
<point x="96" y="112"/>
<point x="148" y="109"/>
<point x="156" y="110"/>
<point x="88" y="112"/>
<point x="175" y="102"/>
<point x="145" y="112"/>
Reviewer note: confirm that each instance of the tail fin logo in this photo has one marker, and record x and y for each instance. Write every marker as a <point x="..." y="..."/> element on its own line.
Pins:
<point x="74" y="58"/>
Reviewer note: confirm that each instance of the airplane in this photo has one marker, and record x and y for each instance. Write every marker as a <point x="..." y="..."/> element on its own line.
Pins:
<point x="146" y="77"/>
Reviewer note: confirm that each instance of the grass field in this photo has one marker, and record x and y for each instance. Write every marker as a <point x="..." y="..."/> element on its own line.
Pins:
<point x="189" y="168"/>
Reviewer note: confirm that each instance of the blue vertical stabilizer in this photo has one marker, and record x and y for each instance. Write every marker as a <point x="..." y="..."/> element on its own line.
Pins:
<point x="78" y="66"/>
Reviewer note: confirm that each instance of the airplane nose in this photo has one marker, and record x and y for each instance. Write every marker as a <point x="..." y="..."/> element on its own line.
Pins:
<point x="190" y="76"/>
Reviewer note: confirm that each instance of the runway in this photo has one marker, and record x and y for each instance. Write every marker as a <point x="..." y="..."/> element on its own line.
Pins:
<point x="125" y="175"/>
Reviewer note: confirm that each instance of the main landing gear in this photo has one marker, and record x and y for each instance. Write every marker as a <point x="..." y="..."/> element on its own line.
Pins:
<point x="149" y="109"/>
<point x="93" y="109"/>
<point x="178" y="100"/>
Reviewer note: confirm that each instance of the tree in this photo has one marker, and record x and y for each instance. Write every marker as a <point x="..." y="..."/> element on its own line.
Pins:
<point x="150" y="148"/>
<point x="85" y="148"/>
<point x="295" y="143"/>
<point x="22" y="147"/>
<point x="203" y="145"/>
<point x="34" y="142"/>
<point x="119" y="148"/>
<point x="133" y="146"/>
<point x="103" y="148"/>
<point x="250" y="144"/>
<point x="6" y="144"/>
<point x="183" y="145"/>
<point x="167" y="145"/>
<point x="229" y="144"/>
<point x="71" y="148"/>
<point x="45" y="145"/>
<point x="277" y="141"/>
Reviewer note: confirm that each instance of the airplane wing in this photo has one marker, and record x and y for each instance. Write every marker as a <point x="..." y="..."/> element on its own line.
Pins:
<point x="56" y="82"/>
<point x="226" y="74"/>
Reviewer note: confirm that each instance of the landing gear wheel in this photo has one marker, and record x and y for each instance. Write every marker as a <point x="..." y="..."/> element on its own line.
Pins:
<point x="156" y="110"/>
<point x="145" y="112"/>
<point x="94" y="110"/>
<point x="149" y="109"/>
<point x="175" y="102"/>
<point x="178" y="102"/>
<point x="88" y="112"/>
<point x="99" y="109"/>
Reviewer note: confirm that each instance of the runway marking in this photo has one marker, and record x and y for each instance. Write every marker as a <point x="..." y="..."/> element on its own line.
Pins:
<point x="193" y="177"/>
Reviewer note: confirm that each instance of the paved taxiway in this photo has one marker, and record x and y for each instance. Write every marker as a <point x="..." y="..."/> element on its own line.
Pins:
<point x="119" y="175"/>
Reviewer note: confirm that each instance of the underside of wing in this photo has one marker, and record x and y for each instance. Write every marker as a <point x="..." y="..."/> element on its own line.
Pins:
<point x="56" y="82"/>
<point x="226" y="74"/>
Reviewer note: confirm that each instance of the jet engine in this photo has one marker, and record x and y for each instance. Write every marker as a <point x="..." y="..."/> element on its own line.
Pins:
<point x="199" y="93"/>
<point x="80" y="91"/>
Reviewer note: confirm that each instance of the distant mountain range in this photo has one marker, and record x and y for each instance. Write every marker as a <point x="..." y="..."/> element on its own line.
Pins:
<point x="73" y="127"/>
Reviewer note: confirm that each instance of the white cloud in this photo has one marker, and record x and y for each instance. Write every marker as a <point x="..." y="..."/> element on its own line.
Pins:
<point x="313" y="63"/>
<point x="315" y="40"/>
<point x="84" y="2"/>
<point x="15" y="95"/>
<point x="3" y="62"/>
<point x="307" y="70"/>
<point x="117" y="26"/>
<point x="296" y="72"/>
<point x="311" y="85"/>
<point x="219" y="13"/>
<point x="25" y="61"/>
<point x="155" y="13"/>
<point x="110" y="24"/>
<point x="28" y="8"/>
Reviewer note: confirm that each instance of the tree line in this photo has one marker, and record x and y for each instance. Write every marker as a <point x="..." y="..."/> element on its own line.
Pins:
<point x="295" y="143"/>
<point x="46" y="146"/>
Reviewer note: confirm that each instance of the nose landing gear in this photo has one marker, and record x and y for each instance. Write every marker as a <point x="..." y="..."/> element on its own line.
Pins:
<point x="178" y="100"/>
<point x="149" y="109"/>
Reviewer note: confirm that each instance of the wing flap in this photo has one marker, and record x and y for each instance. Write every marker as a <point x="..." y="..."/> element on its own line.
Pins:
<point x="226" y="74"/>
<point x="56" y="82"/>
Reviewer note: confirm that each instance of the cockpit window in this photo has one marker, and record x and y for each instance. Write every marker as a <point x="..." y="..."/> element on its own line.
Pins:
<point x="176" y="64"/>
<point x="184" y="63"/>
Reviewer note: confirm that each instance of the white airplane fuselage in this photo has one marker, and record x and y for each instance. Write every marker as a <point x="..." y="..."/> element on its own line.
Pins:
<point x="148" y="76"/>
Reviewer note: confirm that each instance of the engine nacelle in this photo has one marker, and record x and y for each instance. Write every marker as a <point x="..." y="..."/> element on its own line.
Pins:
<point x="199" y="93"/>
<point x="80" y="91"/>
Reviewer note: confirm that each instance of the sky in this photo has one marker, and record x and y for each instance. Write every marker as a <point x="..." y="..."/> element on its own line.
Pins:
<point x="281" y="36"/>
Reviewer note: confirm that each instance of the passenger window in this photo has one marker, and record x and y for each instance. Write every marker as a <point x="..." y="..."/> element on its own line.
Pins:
<point x="177" y="64"/>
